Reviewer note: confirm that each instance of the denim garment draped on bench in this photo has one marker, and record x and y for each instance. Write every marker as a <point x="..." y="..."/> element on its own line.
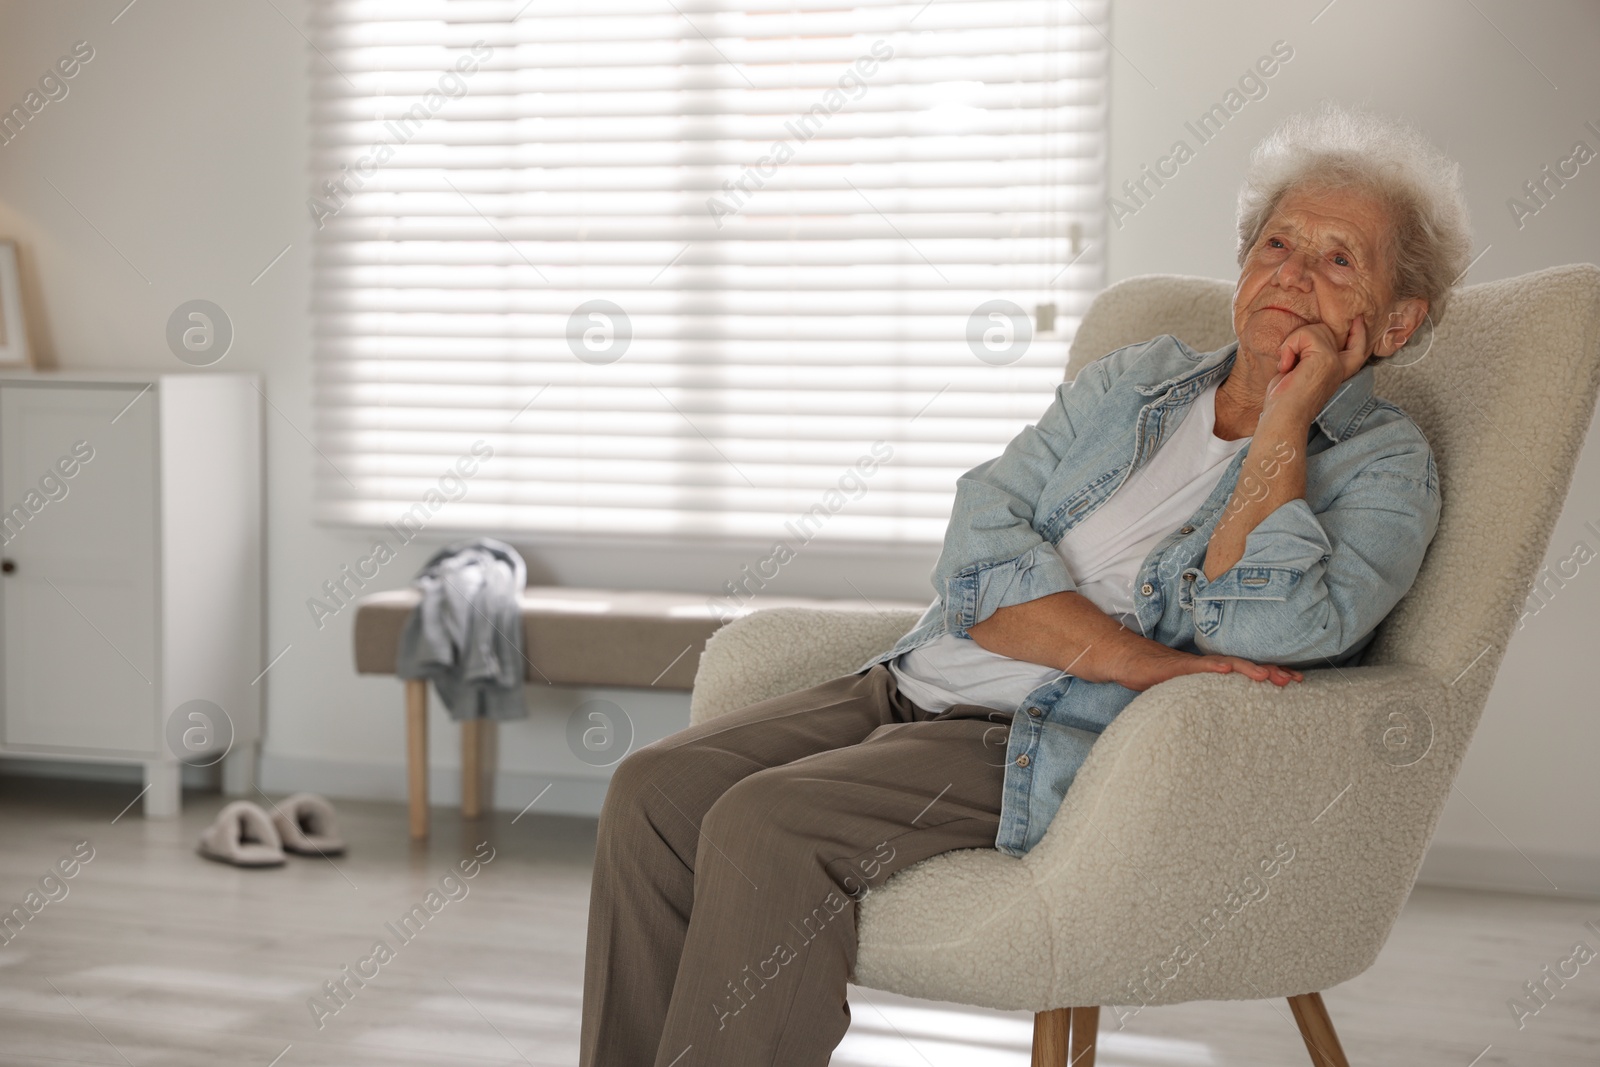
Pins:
<point x="466" y="634"/>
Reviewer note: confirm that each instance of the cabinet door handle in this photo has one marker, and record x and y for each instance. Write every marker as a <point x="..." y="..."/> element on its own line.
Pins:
<point x="8" y="566"/>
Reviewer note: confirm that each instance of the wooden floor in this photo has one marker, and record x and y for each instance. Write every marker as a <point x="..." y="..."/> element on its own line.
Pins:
<point x="158" y="957"/>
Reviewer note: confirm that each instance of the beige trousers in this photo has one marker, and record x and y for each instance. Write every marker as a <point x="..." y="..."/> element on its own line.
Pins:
<point x="731" y="857"/>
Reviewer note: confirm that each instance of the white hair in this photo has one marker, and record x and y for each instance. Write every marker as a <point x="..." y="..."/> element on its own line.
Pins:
<point x="1420" y="187"/>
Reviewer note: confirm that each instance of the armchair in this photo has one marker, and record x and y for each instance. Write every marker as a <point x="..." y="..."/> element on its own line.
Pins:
<point x="1227" y="840"/>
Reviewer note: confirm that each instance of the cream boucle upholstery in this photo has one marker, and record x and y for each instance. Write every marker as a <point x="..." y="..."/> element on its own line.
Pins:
<point x="747" y="671"/>
<point x="1201" y="778"/>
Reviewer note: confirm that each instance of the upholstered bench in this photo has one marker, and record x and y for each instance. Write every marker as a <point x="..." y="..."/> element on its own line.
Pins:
<point x="570" y="637"/>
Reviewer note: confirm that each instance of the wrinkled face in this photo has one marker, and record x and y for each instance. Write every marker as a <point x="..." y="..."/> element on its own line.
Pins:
<point x="1321" y="257"/>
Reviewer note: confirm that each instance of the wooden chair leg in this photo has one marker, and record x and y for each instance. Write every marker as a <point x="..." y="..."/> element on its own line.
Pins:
<point x="1065" y="1037"/>
<point x="417" y="754"/>
<point x="1051" y="1034"/>
<point x="1085" y="1029"/>
<point x="1317" y="1030"/>
<point x="471" y="768"/>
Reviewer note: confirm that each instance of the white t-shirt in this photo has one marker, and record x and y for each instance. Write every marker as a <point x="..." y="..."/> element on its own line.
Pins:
<point x="1103" y="554"/>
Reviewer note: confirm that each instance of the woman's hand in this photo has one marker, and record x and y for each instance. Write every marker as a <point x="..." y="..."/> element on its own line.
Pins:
<point x="1138" y="665"/>
<point x="1066" y="631"/>
<point x="1312" y="364"/>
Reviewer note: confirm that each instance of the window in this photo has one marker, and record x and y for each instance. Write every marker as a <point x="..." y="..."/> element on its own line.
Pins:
<point x="689" y="268"/>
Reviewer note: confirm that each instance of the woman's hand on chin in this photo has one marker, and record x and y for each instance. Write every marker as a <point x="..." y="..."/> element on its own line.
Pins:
<point x="1142" y="664"/>
<point x="1311" y="366"/>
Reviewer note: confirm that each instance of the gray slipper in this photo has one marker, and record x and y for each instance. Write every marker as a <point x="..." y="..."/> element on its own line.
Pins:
<point x="305" y="823"/>
<point x="243" y="836"/>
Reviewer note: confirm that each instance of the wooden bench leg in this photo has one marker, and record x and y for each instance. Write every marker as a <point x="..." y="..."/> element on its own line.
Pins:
<point x="471" y="768"/>
<point x="417" y="754"/>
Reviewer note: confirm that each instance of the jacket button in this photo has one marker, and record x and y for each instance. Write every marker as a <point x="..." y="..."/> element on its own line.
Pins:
<point x="1147" y="589"/>
<point x="1186" y="530"/>
<point x="1035" y="712"/>
<point x="1188" y="576"/>
<point x="1022" y="761"/>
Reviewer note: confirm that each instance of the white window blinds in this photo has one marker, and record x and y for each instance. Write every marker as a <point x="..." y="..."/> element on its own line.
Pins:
<point x="689" y="267"/>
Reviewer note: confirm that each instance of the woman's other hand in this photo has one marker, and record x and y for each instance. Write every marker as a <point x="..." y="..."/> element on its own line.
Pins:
<point x="1140" y="665"/>
<point x="1068" y="632"/>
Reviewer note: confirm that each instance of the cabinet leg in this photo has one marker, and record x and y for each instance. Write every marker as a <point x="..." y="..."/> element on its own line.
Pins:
<point x="163" y="789"/>
<point x="417" y="754"/>
<point x="239" y="770"/>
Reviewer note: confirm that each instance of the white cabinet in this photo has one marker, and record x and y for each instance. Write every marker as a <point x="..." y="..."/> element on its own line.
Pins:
<point x="130" y="572"/>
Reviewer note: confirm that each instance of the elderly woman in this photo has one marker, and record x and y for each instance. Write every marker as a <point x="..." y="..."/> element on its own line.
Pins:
<point x="1254" y="510"/>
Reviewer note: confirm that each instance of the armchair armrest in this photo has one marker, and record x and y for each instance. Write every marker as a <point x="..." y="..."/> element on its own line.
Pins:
<point x="1167" y="857"/>
<point x="1203" y="777"/>
<point x="781" y="650"/>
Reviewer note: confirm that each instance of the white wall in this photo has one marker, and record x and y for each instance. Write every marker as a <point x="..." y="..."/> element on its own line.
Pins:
<point x="1531" y="768"/>
<point x="183" y="145"/>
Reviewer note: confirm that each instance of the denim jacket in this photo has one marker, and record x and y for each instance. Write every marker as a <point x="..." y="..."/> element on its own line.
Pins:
<point x="1317" y="576"/>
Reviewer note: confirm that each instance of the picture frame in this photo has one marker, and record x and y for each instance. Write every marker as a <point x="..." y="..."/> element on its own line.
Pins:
<point x="14" y="348"/>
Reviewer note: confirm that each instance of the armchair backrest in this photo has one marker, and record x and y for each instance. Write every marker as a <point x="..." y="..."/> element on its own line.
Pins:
<point x="1504" y="394"/>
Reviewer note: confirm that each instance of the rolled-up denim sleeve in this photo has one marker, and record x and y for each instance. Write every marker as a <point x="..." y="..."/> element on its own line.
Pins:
<point x="993" y="554"/>
<point x="1311" y="585"/>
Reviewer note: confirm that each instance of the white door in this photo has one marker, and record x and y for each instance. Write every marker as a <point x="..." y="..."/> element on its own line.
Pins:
<point x="78" y="488"/>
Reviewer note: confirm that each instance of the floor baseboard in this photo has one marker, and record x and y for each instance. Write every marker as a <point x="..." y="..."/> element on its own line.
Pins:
<point x="101" y="771"/>
<point x="1506" y="869"/>
<point x="553" y="794"/>
<point x="1502" y="868"/>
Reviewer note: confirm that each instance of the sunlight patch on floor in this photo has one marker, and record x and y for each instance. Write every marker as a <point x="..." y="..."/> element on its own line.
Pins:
<point x="898" y="1035"/>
